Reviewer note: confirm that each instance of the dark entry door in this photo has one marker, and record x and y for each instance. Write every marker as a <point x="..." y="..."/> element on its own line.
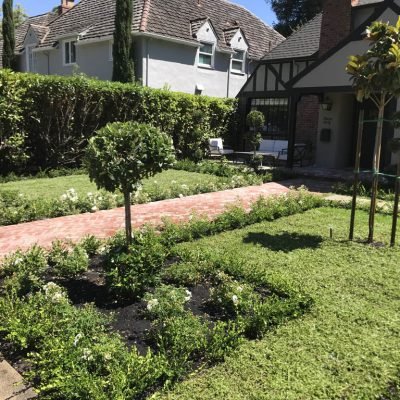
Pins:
<point x="371" y="113"/>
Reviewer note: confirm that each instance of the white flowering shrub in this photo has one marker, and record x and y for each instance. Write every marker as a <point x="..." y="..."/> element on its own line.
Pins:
<point x="167" y="301"/>
<point x="232" y="298"/>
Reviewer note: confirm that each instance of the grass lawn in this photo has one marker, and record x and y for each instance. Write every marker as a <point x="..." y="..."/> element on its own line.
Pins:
<point x="346" y="347"/>
<point x="53" y="188"/>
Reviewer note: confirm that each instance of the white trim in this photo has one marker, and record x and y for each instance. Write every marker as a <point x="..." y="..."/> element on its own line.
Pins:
<point x="110" y="50"/>
<point x="31" y="46"/>
<point x="47" y="48"/>
<point x="212" y="55"/>
<point x="243" y="61"/>
<point x="83" y="42"/>
<point x="67" y="35"/>
<point x="65" y="64"/>
<point x="167" y="38"/>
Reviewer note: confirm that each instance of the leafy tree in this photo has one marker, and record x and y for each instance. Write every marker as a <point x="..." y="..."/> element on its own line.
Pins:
<point x="8" y="30"/>
<point x="121" y="155"/>
<point x="19" y="17"/>
<point x="291" y="14"/>
<point x="122" y="48"/>
<point x="375" y="75"/>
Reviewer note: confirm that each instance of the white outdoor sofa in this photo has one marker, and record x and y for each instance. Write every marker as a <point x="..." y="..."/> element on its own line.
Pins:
<point x="217" y="148"/>
<point x="275" y="148"/>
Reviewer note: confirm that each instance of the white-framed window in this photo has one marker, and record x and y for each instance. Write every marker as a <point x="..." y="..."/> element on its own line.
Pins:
<point x="206" y="55"/>
<point x="238" y="60"/>
<point x="69" y="52"/>
<point x="30" y="59"/>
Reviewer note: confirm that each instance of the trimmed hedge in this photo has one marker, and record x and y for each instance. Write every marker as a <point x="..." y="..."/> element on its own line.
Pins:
<point x="59" y="114"/>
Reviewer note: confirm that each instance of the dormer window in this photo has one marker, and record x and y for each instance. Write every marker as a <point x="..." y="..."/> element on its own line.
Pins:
<point x="206" y="55"/>
<point x="69" y="52"/>
<point x="238" y="59"/>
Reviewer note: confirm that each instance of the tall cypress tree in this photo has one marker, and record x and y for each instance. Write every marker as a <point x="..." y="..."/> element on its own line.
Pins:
<point x="122" y="48"/>
<point x="291" y="14"/>
<point x="8" y="35"/>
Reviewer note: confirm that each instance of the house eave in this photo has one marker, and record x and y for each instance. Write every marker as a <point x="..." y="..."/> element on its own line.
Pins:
<point x="166" y="38"/>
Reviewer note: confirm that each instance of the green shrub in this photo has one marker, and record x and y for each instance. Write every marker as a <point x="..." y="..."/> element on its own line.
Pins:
<point x="167" y="301"/>
<point x="24" y="271"/>
<point x="91" y="245"/>
<point x="60" y="114"/>
<point x="129" y="272"/>
<point x="66" y="262"/>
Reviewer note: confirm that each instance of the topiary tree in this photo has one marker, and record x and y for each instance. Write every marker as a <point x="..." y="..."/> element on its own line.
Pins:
<point x="375" y="76"/>
<point x="121" y="155"/>
<point x="255" y="120"/>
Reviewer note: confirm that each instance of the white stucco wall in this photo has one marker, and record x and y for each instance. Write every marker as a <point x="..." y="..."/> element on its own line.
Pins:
<point x="337" y="152"/>
<point x="175" y="65"/>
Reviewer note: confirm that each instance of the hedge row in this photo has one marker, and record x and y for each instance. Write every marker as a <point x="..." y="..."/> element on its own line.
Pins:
<point x="58" y="114"/>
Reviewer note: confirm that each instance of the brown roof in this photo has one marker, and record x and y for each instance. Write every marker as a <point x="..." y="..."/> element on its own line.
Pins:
<point x="172" y="18"/>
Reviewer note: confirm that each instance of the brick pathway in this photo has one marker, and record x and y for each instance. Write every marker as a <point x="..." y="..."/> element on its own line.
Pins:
<point x="105" y="223"/>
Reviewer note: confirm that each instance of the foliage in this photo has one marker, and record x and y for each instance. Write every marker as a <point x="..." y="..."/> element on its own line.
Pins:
<point x="19" y="15"/>
<point x="129" y="272"/>
<point x="255" y="120"/>
<point x="24" y="271"/>
<point x="8" y="39"/>
<point x="66" y="262"/>
<point x="60" y="114"/>
<point x="123" y="70"/>
<point x="121" y="155"/>
<point x="375" y="71"/>
<point x="292" y="14"/>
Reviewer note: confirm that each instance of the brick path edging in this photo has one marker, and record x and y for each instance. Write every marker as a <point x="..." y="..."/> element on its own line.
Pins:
<point x="104" y="224"/>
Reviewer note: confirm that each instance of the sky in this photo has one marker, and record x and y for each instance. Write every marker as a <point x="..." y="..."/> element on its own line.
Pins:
<point x="258" y="7"/>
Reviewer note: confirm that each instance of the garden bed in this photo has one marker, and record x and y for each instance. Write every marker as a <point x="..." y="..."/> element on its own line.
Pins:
<point x="157" y="314"/>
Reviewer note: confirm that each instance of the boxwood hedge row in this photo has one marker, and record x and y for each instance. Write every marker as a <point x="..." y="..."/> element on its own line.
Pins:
<point x="56" y="115"/>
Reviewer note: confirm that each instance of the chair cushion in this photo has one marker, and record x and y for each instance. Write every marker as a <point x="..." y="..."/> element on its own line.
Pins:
<point x="280" y="145"/>
<point x="267" y="146"/>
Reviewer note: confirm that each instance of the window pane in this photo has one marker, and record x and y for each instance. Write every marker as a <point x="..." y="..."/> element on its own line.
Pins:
<point x="73" y="52"/>
<point x="204" y="59"/>
<point x="67" y="58"/>
<point x="206" y="48"/>
<point x="237" y="65"/>
<point x="239" y="55"/>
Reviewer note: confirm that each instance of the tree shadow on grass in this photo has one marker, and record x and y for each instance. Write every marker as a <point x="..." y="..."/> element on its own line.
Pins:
<point x="285" y="242"/>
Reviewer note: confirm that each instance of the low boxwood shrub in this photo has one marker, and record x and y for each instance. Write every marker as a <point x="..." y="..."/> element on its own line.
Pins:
<point x="130" y="271"/>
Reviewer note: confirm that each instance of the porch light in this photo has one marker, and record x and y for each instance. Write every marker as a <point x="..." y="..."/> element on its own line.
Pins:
<point x="326" y="104"/>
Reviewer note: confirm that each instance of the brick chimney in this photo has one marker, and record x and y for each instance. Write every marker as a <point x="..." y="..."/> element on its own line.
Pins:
<point x="336" y="23"/>
<point x="65" y="6"/>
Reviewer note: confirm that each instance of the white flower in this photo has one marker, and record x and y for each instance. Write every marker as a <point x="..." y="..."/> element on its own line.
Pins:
<point x="185" y="187"/>
<point x="90" y="194"/>
<point x="173" y="182"/>
<point x="239" y="289"/>
<point x="107" y="356"/>
<point x="94" y="209"/>
<point x="188" y="295"/>
<point x="151" y="304"/>
<point x="63" y="197"/>
<point x="181" y="195"/>
<point x="18" y="260"/>
<point x="87" y="355"/>
<point x="100" y="198"/>
<point x="102" y="249"/>
<point x="235" y="300"/>
<point x="78" y="337"/>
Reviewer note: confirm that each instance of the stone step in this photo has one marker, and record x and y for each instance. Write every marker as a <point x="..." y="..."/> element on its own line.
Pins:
<point x="12" y="386"/>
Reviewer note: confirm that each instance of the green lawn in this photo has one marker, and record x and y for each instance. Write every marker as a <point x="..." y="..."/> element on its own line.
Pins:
<point x="346" y="347"/>
<point x="51" y="188"/>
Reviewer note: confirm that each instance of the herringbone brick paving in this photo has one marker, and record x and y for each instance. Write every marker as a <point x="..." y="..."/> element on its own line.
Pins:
<point x="104" y="224"/>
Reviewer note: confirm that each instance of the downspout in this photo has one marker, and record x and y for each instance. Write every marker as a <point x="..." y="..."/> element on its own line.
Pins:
<point x="147" y="61"/>
<point x="229" y="76"/>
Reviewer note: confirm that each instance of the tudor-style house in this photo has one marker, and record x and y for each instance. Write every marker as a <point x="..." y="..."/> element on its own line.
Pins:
<point x="305" y="93"/>
<point x="206" y="47"/>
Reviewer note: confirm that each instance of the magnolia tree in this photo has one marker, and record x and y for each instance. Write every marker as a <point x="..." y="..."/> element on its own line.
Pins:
<point x="121" y="155"/>
<point x="376" y="76"/>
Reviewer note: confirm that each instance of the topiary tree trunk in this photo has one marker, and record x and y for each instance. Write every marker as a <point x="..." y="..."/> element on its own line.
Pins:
<point x="8" y="30"/>
<point x="122" y="47"/>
